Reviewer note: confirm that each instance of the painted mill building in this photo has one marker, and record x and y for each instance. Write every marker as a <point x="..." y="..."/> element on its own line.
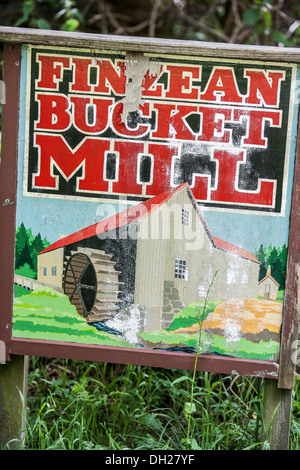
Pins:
<point x="158" y="256"/>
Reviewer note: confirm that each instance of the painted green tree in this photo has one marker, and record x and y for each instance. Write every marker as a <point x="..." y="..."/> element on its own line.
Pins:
<point x="26" y="250"/>
<point x="275" y="258"/>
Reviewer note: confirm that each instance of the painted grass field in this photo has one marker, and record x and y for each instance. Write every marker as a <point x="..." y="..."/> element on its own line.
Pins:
<point x="77" y="405"/>
<point x="247" y="328"/>
<point x="47" y="314"/>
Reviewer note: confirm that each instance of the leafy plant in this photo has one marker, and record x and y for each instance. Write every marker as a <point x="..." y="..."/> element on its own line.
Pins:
<point x="259" y="22"/>
<point x="189" y="406"/>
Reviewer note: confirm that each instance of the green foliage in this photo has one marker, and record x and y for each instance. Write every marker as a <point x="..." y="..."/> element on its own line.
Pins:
<point x="19" y="291"/>
<point x="27" y="248"/>
<point x="244" y="22"/>
<point x="191" y="314"/>
<point x="26" y="271"/>
<point x="79" y="405"/>
<point x="274" y="257"/>
<point x="76" y="405"/>
<point x="35" y="12"/>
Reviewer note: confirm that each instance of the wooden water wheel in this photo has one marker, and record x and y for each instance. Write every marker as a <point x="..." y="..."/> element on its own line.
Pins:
<point x="92" y="283"/>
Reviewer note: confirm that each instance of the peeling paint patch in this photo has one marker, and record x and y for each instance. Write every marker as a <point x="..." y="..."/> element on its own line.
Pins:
<point x="137" y="66"/>
<point x="266" y="373"/>
<point x="261" y="373"/>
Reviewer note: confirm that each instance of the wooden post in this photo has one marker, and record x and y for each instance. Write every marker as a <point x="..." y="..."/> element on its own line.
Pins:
<point x="277" y="415"/>
<point x="13" y="399"/>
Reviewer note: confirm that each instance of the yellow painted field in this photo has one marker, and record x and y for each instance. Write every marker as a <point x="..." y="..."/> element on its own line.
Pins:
<point x="242" y="317"/>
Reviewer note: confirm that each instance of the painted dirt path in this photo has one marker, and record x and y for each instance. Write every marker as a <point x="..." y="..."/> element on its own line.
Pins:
<point x="254" y="319"/>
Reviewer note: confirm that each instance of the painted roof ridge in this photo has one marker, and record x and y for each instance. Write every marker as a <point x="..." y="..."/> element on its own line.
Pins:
<point x="219" y="243"/>
<point x="232" y="248"/>
<point x="133" y="213"/>
<point x="200" y="213"/>
<point x="271" y="277"/>
<point x="138" y="212"/>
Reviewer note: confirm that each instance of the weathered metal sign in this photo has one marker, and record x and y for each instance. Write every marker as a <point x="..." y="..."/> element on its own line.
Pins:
<point x="153" y="206"/>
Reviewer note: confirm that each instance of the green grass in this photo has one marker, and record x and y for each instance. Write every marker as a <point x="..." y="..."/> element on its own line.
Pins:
<point x="77" y="405"/>
<point x="214" y="344"/>
<point x="19" y="291"/>
<point x="210" y="343"/>
<point x="190" y="315"/>
<point x="280" y="295"/>
<point x="47" y="314"/>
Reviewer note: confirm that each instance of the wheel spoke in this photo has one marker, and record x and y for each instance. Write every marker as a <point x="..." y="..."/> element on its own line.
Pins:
<point x="74" y="275"/>
<point x="72" y="295"/>
<point x="84" y="269"/>
<point x="87" y="286"/>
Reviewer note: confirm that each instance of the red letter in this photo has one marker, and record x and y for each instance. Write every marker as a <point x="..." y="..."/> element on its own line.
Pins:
<point x="55" y="151"/>
<point x="222" y="84"/>
<point x="263" y="90"/>
<point x="121" y="128"/>
<point x="53" y="112"/>
<point x="163" y="156"/>
<point x="100" y="111"/>
<point x="51" y="70"/>
<point x="170" y="121"/>
<point x="180" y="82"/>
<point x="108" y="75"/>
<point x="81" y="82"/>
<point x="212" y="129"/>
<point x="148" y="82"/>
<point x="128" y="164"/>
<point x="227" y="182"/>
<point x="256" y="119"/>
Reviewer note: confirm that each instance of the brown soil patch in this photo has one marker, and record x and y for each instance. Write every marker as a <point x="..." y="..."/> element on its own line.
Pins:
<point x="244" y="316"/>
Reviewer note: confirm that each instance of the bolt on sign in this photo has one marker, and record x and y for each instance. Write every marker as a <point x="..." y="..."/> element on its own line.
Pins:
<point x="154" y="201"/>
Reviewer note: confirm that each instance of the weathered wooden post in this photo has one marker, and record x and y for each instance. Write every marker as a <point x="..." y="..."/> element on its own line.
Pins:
<point x="13" y="399"/>
<point x="277" y="415"/>
<point x="162" y="162"/>
<point x="278" y="394"/>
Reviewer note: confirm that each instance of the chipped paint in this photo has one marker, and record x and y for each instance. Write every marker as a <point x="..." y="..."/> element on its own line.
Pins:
<point x="137" y="66"/>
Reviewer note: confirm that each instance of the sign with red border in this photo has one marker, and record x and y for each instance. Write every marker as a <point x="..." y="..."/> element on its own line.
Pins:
<point x="153" y="207"/>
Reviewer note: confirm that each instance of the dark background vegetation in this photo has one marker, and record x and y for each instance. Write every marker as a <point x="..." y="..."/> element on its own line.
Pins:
<point x="259" y="22"/>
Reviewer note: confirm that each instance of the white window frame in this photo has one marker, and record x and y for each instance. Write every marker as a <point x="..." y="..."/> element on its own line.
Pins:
<point x="185" y="217"/>
<point x="181" y="271"/>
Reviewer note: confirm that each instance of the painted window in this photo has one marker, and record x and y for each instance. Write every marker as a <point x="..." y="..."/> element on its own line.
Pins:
<point x="245" y="277"/>
<point x="232" y="272"/>
<point x="185" y="217"/>
<point x="54" y="270"/>
<point x="45" y="271"/>
<point x="181" y="271"/>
